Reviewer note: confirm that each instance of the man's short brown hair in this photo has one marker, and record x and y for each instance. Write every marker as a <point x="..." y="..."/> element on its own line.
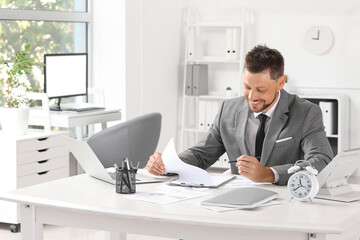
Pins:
<point x="262" y="58"/>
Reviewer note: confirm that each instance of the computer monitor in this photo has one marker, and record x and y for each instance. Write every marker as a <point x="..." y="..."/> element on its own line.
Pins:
<point x="65" y="75"/>
<point x="333" y="179"/>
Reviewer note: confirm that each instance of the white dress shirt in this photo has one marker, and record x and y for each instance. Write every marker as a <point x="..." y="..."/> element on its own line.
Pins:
<point x="252" y="126"/>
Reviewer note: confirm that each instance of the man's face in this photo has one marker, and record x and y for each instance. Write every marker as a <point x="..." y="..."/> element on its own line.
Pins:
<point x="260" y="91"/>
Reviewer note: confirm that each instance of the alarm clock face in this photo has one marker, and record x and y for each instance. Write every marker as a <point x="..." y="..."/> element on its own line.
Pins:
<point x="300" y="185"/>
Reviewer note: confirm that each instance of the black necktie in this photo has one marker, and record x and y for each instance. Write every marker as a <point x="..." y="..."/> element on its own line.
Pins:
<point x="260" y="135"/>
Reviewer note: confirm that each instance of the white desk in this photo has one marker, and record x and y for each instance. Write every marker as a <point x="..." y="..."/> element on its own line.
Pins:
<point x="82" y="201"/>
<point x="78" y="119"/>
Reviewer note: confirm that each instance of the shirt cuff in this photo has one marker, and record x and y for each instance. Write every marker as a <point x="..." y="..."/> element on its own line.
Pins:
<point x="276" y="174"/>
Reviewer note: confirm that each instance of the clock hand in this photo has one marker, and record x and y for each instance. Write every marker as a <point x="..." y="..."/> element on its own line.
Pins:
<point x="318" y="35"/>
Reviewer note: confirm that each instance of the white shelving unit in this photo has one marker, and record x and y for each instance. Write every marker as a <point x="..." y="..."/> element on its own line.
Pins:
<point x="339" y="139"/>
<point x="220" y="45"/>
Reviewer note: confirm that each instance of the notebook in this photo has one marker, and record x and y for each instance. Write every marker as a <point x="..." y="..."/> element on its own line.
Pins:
<point x="92" y="165"/>
<point x="241" y="198"/>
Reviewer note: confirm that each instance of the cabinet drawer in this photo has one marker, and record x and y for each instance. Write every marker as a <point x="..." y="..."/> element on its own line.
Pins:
<point x="42" y="177"/>
<point x="39" y="143"/>
<point x="42" y="166"/>
<point x="42" y="154"/>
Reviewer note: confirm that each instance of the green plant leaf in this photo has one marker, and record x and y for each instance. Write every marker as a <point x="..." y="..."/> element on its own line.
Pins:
<point x="13" y="89"/>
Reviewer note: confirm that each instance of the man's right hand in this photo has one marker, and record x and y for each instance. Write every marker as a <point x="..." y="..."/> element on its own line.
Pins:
<point x="155" y="164"/>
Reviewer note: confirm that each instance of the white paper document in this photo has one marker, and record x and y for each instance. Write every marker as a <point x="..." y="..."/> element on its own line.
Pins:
<point x="189" y="175"/>
<point x="166" y="194"/>
<point x="241" y="181"/>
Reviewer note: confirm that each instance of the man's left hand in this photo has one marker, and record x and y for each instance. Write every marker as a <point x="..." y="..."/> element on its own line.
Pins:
<point x="251" y="168"/>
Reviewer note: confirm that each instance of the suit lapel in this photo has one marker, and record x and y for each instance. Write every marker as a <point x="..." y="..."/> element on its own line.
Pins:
<point x="240" y="126"/>
<point x="277" y="123"/>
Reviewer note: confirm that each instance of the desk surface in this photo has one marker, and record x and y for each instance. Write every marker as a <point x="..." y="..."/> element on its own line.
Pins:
<point x="30" y="134"/>
<point x="74" y="119"/>
<point x="89" y="196"/>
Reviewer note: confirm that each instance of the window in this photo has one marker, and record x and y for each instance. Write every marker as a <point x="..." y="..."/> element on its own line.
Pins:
<point x="52" y="5"/>
<point x="50" y="26"/>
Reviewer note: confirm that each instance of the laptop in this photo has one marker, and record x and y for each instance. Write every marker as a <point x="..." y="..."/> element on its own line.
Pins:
<point x="92" y="165"/>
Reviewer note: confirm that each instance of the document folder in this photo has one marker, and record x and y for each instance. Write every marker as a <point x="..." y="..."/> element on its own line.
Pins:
<point x="328" y="114"/>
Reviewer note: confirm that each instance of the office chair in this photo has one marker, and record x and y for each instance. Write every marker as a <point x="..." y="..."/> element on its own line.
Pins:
<point x="135" y="139"/>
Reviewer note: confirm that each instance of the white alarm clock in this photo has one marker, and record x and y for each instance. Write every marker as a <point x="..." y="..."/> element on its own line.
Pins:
<point x="303" y="185"/>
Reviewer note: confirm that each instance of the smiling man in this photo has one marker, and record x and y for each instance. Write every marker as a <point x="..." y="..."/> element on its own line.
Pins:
<point x="265" y="131"/>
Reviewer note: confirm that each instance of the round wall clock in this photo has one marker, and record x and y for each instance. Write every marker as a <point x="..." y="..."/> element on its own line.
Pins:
<point x="319" y="39"/>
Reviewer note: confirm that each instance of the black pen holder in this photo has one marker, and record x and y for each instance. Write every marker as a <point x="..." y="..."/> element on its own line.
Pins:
<point x="125" y="180"/>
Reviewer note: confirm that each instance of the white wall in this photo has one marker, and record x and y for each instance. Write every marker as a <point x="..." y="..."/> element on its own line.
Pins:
<point x="159" y="50"/>
<point x="155" y="50"/>
<point x="109" y="51"/>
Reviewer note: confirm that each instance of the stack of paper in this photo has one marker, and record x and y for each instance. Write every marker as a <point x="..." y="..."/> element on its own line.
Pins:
<point x="165" y="194"/>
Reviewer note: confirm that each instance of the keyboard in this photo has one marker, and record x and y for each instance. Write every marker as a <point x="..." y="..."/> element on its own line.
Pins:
<point x="82" y="109"/>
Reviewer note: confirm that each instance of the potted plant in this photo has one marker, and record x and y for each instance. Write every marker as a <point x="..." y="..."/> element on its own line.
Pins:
<point x="14" y="85"/>
<point x="228" y="91"/>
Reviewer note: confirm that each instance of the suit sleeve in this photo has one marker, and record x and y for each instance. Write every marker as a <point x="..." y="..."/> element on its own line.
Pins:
<point x="208" y="150"/>
<point x="314" y="144"/>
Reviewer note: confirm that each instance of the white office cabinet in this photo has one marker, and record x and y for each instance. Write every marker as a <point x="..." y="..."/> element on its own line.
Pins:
<point x="30" y="159"/>
<point x="328" y="113"/>
<point x="220" y="45"/>
<point x="335" y="112"/>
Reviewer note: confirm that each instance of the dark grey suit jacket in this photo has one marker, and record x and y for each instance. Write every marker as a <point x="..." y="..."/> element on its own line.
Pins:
<point x="293" y="117"/>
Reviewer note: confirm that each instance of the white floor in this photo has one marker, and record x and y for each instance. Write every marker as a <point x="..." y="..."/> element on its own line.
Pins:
<point x="65" y="233"/>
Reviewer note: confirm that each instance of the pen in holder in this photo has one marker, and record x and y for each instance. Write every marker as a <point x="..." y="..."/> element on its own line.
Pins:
<point x="125" y="178"/>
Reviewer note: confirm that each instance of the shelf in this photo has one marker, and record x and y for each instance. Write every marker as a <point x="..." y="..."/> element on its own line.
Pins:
<point x="217" y="24"/>
<point x="211" y="97"/>
<point x="212" y="60"/>
<point x="215" y="97"/>
<point x="218" y="47"/>
<point x="194" y="130"/>
<point x="340" y="140"/>
<point x="320" y="96"/>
